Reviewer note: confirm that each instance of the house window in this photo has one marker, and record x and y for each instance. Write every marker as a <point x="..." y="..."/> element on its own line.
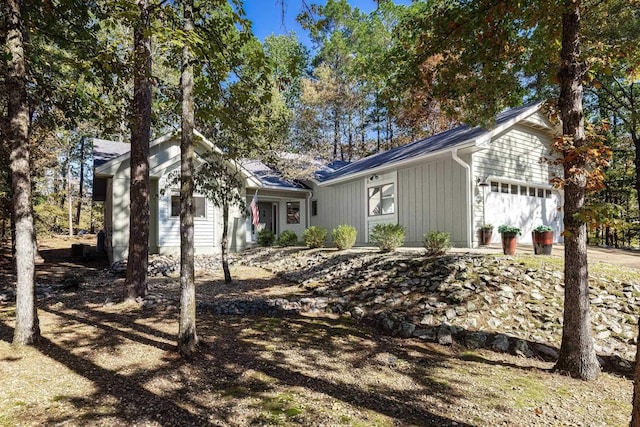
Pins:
<point x="314" y="208"/>
<point x="504" y="187"/>
<point x="547" y="194"/>
<point x="293" y="212"/>
<point x="532" y="192"/>
<point x="494" y="187"/>
<point x="540" y="192"/>
<point x="523" y="190"/>
<point x="381" y="200"/>
<point x="514" y="189"/>
<point x="199" y="206"/>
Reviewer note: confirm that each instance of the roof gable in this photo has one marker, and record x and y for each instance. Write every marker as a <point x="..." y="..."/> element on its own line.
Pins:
<point x="457" y="137"/>
<point x="105" y="150"/>
<point x="109" y="155"/>
<point x="270" y="178"/>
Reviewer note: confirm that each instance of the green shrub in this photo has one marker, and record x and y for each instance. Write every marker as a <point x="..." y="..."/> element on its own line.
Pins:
<point x="437" y="242"/>
<point x="315" y="236"/>
<point x="50" y="219"/>
<point x="287" y="238"/>
<point x="266" y="237"/>
<point x="509" y="229"/>
<point x="543" y="228"/>
<point x="344" y="236"/>
<point x="387" y="236"/>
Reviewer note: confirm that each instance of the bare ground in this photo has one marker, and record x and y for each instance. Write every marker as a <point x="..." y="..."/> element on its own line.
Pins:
<point x="102" y="363"/>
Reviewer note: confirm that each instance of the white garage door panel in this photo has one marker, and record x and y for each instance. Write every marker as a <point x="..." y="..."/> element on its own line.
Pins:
<point x="524" y="212"/>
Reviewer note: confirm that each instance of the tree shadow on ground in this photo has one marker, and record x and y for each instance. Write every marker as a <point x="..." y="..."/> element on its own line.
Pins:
<point x="232" y="347"/>
<point x="251" y="370"/>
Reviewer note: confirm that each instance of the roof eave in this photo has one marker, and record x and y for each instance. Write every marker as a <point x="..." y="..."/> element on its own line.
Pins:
<point x="481" y="142"/>
<point x="381" y="168"/>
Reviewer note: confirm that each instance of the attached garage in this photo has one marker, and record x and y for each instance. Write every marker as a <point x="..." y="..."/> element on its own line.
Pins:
<point x="523" y="205"/>
<point x="454" y="181"/>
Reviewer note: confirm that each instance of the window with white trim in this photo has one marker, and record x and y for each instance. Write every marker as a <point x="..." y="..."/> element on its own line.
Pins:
<point x="293" y="212"/>
<point x="522" y="190"/>
<point x="199" y="206"/>
<point x="381" y="200"/>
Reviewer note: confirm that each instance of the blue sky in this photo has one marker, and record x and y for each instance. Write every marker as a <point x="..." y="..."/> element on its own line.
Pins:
<point x="266" y="15"/>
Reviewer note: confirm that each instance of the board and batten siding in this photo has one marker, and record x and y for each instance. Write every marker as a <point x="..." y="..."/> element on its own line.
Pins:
<point x="120" y="217"/>
<point x="282" y="217"/>
<point x="432" y="196"/>
<point x="341" y="204"/>
<point x="236" y="235"/>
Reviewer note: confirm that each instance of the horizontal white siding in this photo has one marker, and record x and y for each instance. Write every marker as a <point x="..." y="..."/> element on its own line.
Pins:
<point x="432" y="196"/>
<point x="169" y="227"/>
<point x="515" y="156"/>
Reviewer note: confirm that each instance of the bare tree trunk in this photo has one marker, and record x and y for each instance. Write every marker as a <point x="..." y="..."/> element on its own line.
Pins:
<point x="27" y="329"/>
<point x="69" y="199"/>
<point x="336" y="134"/>
<point x="635" y="414"/>
<point x="577" y="356"/>
<point x="224" y="243"/>
<point x="81" y="183"/>
<point x="187" y="336"/>
<point x="636" y="143"/>
<point x="138" y="258"/>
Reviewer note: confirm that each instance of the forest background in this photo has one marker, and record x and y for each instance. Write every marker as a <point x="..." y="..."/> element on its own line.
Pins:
<point x="375" y="81"/>
<point x="343" y="97"/>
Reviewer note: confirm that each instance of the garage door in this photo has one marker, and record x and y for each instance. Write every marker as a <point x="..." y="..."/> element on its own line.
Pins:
<point x="525" y="206"/>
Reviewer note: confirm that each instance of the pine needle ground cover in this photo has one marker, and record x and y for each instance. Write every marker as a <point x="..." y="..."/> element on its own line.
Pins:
<point x="104" y="363"/>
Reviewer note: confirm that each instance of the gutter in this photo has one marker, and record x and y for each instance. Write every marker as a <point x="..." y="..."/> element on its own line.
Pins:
<point x="406" y="162"/>
<point x="480" y="142"/>
<point x="467" y="168"/>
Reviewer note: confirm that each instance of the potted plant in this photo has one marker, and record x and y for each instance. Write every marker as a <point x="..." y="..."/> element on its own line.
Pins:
<point x="542" y="240"/>
<point x="510" y="235"/>
<point x="484" y="234"/>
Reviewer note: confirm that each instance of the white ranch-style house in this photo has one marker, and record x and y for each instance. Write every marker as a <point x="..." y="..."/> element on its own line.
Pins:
<point x="454" y="181"/>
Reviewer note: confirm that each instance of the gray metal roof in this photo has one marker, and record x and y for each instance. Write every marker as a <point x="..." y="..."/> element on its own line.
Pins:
<point x="439" y="142"/>
<point x="270" y="178"/>
<point x="104" y="150"/>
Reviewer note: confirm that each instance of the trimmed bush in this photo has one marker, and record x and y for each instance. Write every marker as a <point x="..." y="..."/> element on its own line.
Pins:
<point x="387" y="236"/>
<point x="287" y="238"/>
<point x="344" y="236"/>
<point x="266" y="237"/>
<point x="437" y="242"/>
<point x="315" y="236"/>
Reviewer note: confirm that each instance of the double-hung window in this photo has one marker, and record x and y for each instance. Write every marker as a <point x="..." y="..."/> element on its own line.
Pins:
<point x="199" y="206"/>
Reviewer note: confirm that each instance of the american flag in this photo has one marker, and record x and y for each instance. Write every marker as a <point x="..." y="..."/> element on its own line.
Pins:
<point x="254" y="210"/>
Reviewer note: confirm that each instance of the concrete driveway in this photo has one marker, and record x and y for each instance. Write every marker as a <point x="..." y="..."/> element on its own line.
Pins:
<point x="623" y="257"/>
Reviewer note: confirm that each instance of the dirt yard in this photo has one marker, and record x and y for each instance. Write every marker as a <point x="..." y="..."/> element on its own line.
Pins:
<point x="104" y="363"/>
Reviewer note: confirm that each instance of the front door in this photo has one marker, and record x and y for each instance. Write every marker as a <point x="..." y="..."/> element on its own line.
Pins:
<point x="268" y="215"/>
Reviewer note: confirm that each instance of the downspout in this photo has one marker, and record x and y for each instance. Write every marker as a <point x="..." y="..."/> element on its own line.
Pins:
<point x="467" y="168"/>
<point x="308" y="215"/>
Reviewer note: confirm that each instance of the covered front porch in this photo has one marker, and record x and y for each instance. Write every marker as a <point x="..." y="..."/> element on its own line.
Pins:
<point x="278" y="211"/>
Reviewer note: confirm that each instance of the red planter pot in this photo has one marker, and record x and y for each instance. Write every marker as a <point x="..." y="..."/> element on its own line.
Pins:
<point x="509" y="243"/>
<point x="484" y="235"/>
<point x="542" y="242"/>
